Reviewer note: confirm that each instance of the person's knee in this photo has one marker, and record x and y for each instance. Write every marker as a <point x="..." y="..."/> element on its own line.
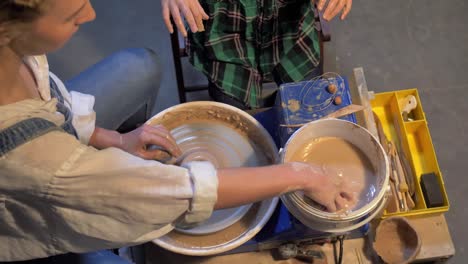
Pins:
<point x="144" y="66"/>
<point x="145" y="74"/>
<point x="151" y="61"/>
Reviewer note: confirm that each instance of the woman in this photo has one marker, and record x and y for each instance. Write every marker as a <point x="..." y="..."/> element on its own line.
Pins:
<point x="69" y="185"/>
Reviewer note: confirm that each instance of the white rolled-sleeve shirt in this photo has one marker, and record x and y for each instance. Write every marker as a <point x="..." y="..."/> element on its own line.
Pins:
<point x="58" y="195"/>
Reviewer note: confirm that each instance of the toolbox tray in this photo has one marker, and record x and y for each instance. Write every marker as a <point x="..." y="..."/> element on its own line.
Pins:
<point x="416" y="144"/>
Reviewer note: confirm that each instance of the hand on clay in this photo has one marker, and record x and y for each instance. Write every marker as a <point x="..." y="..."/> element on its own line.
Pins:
<point x="136" y="142"/>
<point x="332" y="193"/>
<point x="191" y="10"/>
<point x="334" y="7"/>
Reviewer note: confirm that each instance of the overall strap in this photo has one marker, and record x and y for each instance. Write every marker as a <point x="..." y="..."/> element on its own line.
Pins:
<point x="67" y="125"/>
<point x="24" y="131"/>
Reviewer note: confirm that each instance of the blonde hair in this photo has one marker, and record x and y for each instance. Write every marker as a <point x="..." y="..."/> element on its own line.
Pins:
<point x="15" y="11"/>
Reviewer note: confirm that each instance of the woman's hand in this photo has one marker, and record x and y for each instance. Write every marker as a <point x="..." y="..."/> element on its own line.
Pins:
<point x="191" y="10"/>
<point x="136" y="142"/>
<point x="334" y="7"/>
<point x="333" y="193"/>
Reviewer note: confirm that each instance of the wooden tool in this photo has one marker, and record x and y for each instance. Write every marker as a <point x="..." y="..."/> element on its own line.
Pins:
<point x="397" y="168"/>
<point x="403" y="187"/>
<point x="408" y="172"/>
<point x="392" y="206"/>
<point x="382" y="137"/>
<point x="398" y="203"/>
<point x="408" y="104"/>
<point x="347" y="110"/>
<point x="395" y="178"/>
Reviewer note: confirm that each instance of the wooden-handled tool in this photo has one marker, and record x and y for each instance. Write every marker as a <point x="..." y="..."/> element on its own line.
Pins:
<point x="382" y="137"/>
<point x="347" y="110"/>
<point x="396" y="179"/>
<point x="408" y="172"/>
<point x="403" y="184"/>
<point x="393" y="203"/>
<point x="397" y="175"/>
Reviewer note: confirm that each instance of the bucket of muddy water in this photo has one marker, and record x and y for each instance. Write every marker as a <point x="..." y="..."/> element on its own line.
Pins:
<point x="227" y="137"/>
<point x="347" y="152"/>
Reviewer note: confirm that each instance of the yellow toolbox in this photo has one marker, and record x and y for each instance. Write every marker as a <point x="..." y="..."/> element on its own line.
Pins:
<point x="412" y="136"/>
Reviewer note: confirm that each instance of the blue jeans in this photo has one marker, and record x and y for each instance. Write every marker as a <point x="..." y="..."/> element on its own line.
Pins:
<point x="122" y="84"/>
<point x="98" y="257"/>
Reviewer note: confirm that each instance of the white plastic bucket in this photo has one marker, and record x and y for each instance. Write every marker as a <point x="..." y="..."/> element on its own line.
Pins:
<point x="361" y="138"/>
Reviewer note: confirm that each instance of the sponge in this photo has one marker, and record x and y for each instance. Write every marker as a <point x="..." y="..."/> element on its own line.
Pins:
<point x="431" y="190"/>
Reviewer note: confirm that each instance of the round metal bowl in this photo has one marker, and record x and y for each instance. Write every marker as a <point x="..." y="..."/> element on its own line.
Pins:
<point x="318" y="219"/>
<point x="227" y="137"/>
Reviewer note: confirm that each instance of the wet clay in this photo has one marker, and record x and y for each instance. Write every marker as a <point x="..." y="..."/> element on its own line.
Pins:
<point x="396" y="241"/>
<point x="294" y="105"/>
<point x="345" y="163"/>
<point x="216" y="114"/>
<point x="218" y="143"/>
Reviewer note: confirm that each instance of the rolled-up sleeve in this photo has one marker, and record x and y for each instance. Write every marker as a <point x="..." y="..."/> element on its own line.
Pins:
<point x="205" y="186"/>
<point x="109" y="198"/>
<point x="82" y="107"/>
<point x="131" y="189"/>
<point x="84" y="117"/>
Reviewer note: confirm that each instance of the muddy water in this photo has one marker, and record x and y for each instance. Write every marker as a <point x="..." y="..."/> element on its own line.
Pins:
<point x="345" y="163"/>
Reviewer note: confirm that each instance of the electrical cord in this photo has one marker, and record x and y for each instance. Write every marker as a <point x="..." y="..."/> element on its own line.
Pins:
<point x="338" y="255"/>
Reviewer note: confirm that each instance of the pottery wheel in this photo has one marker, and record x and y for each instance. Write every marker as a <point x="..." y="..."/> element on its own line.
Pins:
<point x="224" y="147"/>
<point x="227" y="137"/>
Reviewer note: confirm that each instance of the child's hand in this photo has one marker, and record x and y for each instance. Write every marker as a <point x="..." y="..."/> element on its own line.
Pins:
<point x="136" y="142"/>
<point x="190" y="9"/>
<point x="334" y="7"/>
<point x="335" y="196"/>
<point x="325" y="188"/>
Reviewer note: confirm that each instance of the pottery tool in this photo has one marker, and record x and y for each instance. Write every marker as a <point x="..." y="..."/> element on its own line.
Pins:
<point x="397" y="169"/>
<point x="408" y="172"/>
<point x="407" y="105"/>
<point x="396" y="203"/>
<point x="392" y="206"/>
<point x="347" y="110"/>
<point x="176" y="161"/>
<point x="185" y="156"/>
<point x="165" y="157"/>
<point x="395" y="178"/>
<point x="403" y="187"/>
<point x="431" y="190"/>
<point x="381" y="134"/>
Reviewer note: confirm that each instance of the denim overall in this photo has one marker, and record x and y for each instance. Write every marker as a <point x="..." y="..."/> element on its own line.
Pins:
<point x="26" y="130"/>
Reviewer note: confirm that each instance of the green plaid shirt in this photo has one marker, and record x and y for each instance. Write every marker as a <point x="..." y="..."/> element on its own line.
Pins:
<point x="246" y="42"/>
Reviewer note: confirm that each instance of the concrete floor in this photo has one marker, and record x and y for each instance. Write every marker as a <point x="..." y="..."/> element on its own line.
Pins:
<point x="399" y="43"/>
